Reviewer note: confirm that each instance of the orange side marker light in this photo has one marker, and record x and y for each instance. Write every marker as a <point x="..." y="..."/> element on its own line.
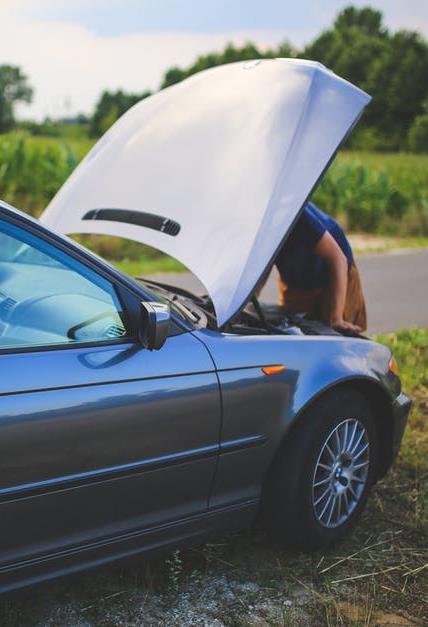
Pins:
<point x="273" y="369"/>
<point x="393" y="366"/>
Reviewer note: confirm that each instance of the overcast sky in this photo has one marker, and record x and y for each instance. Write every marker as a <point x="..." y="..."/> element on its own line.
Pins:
<point x="73" y="49"/>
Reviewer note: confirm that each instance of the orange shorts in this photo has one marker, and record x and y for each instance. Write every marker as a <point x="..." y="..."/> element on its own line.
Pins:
<point x="316" y="302"/>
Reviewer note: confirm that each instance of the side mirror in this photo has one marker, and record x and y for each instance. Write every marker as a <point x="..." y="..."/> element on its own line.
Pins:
<point x="154" y="324"/>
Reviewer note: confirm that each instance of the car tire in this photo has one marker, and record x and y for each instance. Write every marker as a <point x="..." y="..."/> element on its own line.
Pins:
<point x="319" y="482"/>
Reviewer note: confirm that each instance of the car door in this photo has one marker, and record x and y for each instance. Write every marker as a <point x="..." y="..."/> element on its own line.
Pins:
<point x="99" y="437"/>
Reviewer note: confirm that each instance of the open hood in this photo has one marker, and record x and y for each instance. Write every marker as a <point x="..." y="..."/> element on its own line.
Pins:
<point x="214" y="171"/>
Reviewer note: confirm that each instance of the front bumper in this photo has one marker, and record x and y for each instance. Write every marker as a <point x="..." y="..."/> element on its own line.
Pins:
<point x="400" y="411"/>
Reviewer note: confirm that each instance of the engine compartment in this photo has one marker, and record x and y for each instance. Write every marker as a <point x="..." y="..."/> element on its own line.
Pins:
<point x="270" y="318"/>
<point x="257" y="318"/>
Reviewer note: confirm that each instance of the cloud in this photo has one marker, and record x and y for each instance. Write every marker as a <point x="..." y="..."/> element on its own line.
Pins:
<point x="69" y="65"/>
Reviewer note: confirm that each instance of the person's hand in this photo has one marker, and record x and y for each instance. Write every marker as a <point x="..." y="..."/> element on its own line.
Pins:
<point x="345" y="327"/>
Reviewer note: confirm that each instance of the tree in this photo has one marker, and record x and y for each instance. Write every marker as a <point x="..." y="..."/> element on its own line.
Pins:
<point x="351" y="46"/>
<point x="13" y="88"/>
<point x="367" y="20"/>
<point x="392" y="68"/>
<point x="110" y="107"/>
<point x="418" y="132"/>
<point x="397" y="78"/>
<point x="229" y="55"/>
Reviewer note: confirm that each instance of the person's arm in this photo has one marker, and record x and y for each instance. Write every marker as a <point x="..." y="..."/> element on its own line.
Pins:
<point x="330" y="251"/>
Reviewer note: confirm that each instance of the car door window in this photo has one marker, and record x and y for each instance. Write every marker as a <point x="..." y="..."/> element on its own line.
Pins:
<point x="48" y="297"/>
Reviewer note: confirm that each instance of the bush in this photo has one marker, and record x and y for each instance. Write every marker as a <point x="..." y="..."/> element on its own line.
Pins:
<point x="418" y="134"/>
<point x="363" y="197"/>
<point x="369" y="138"/>
<point x="31" y="173"/>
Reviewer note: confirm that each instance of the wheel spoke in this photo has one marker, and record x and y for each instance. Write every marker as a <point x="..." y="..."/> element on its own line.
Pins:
<point x="324" y="509"/>
<point x="330" y="452"/>
<point x="339" y="506"/>
<point x="361" y="465"/>
<point x="361" y="451"/>
<point x="338" y="442"/>
<point x="360" y="437"/>
<point x="322" y="481"/>
<point x="353" y="434"/>
<point x="324" y="467"/>
<point x="332" y="508"/>
<point x="352" y="491"/>
<point x="345" y="440"/>
<point x="345" y="498"/>
<point x="320" y="498"/>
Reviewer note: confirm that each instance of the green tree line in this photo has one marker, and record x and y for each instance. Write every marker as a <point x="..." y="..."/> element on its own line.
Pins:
<point x="391" y="66"/>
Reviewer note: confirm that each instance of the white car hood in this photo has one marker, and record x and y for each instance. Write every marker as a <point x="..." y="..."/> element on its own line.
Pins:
<point x="214" y="171"/>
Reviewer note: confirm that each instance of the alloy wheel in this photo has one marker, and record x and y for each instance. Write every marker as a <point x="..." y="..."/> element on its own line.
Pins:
<point x="341" y="473"/>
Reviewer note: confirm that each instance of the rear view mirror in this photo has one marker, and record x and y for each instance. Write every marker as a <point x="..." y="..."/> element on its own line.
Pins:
<point x="154" y="324"/>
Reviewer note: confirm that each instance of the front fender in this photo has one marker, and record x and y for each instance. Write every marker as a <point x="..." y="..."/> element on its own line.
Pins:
<point x="255" y="404"/>
<point x="312" y="363"/>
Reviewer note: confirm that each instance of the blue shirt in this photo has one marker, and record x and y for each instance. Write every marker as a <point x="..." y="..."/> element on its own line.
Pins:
<point x="297" y="262"/>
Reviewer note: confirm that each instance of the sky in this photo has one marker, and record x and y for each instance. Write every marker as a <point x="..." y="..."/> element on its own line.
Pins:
<point x="71" y="50"/>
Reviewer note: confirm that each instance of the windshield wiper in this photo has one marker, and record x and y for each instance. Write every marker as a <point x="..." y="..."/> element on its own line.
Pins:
<point x="187" y="313"/>
<point x="174" y="295"/>
<point x="172" y="289"/>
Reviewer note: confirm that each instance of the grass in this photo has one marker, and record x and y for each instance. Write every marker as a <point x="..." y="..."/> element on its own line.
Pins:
<point x="378" y="576"/>
<point x="149" y="265"/>
<point x="132" y="258"/>
<point x="365" y="244"/>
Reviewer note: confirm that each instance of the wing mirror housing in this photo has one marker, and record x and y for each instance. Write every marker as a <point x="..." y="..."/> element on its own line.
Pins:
<point x="154" y="324"/>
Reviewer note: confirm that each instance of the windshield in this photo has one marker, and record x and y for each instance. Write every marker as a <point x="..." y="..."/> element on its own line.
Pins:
<point x="11" y="249"/>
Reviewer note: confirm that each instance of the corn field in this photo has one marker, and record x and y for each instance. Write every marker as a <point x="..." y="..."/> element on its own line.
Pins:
<point x="385" y="194"/>
<point x="32" y="169"/>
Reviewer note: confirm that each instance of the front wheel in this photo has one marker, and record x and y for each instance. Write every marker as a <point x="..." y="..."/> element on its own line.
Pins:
<point x="319" y="483"/>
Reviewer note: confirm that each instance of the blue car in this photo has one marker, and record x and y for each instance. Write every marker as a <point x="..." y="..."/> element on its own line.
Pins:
<point x="136" y="416"/>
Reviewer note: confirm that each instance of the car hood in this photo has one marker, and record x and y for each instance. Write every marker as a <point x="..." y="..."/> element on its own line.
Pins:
<point x="214" y="170"/>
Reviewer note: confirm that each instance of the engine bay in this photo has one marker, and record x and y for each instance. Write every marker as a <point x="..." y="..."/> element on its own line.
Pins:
<point x="256" y="318"/>
<point x="275" y="319"/>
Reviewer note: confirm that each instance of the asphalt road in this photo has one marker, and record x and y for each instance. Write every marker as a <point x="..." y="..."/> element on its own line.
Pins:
<point x="395" y="286"/>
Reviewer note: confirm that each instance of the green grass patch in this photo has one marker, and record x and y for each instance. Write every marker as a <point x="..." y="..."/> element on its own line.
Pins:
<point x="149" y="265"/>
<point x="367" y="244"/>
<point x="132" y="258"/>
<point x="410" y="348"/>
